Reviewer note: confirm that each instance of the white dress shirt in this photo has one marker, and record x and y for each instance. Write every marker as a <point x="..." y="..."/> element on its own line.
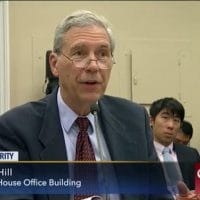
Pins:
<point x="70" y="133"/>
<point x="159" y="149"/>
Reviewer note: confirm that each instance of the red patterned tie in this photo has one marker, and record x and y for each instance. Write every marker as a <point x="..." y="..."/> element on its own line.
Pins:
<point x="84" y="152"/>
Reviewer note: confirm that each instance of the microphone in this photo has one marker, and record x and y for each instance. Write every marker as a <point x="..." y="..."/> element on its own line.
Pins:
<point x="94" y="109"/>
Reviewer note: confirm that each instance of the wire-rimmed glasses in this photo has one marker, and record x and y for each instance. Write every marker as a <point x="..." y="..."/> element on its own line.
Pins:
<point x="102" y="63"/>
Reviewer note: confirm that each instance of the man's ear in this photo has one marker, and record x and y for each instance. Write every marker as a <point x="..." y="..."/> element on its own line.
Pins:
<point x="151" y="120"/>
<point x="53" y="59"/>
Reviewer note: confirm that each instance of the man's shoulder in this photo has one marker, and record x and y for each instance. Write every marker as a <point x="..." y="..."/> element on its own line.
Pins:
<point x="27" y="110"/>
<point x="32" y="109"/>
<point x="186" y="149"/>
<point x="119" y="101"/>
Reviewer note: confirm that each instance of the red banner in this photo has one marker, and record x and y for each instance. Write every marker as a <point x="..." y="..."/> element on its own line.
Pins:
<point x="197" y="178"/>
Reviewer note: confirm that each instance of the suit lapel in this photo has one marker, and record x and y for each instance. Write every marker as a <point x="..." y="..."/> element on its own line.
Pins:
<point x="51" y="135"/>
<point x="119" y="144"/>
<point x="180" y="155"/>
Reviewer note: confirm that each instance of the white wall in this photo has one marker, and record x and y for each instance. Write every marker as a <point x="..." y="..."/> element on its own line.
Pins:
<point x="4" y="58"/>
<point x="157" y="54"/>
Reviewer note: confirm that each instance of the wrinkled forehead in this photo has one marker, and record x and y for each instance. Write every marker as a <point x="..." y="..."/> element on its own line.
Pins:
<point x="93" y="34"/>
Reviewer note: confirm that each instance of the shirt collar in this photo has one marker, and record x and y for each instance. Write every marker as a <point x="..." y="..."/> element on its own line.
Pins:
<point x="159" y="147"/>
<point x="68" y="116"/>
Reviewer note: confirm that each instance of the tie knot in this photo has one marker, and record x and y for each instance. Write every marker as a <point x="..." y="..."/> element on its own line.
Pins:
<point x="166" y="150"/>
<point x="82" y="123"/>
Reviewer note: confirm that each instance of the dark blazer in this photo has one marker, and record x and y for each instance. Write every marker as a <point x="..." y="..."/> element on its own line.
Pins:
<point x="187" y="157"/>
<point x="34" y="130"/>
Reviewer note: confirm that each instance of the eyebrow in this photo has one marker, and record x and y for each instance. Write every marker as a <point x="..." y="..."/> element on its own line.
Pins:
<point x="105" y="46"/>
<point x="165" y="113"/>
<point x="77" y="46"/>
<point x="82" y="45"/>
<point x="170" y="113"/>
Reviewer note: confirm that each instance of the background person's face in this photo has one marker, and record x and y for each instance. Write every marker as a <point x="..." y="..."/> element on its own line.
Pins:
<point x="182" y="138"/>
<point x="165" y="126"/>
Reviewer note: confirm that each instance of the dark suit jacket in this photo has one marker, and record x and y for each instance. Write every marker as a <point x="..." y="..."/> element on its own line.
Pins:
<point x="34" y="130"/>
<point x="187" y="157"/>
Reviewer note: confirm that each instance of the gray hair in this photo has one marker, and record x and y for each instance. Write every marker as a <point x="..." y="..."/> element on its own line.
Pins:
<point x="80" y="18"/>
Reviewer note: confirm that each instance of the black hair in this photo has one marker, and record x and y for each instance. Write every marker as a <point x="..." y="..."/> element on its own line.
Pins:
<point x="170" y="104"/>
<point x="187" y="128"/>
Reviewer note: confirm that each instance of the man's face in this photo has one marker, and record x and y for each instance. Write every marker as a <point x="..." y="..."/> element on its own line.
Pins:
<point x="165" y="126"/>
<point x="182" y="138"/>
<point x="83" y="86"/>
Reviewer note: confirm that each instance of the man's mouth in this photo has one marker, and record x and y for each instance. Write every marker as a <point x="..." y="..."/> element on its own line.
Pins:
<point x="92" y="82"/>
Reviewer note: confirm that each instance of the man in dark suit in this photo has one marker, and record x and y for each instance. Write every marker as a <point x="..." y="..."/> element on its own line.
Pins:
<point x="46" y="130"/>
<point x="50" y="129"/>
<point x="187" y="157"/>
<point x="35" y="131"/>
<point x="166" y="116"/>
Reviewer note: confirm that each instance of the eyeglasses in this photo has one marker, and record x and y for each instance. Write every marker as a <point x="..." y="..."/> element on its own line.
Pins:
<point x="83" y="62"/>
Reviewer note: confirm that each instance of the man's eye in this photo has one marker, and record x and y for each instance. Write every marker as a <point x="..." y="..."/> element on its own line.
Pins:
<point x="103" y="54"/>
<point x="78" y="54"/>
<point x="177" y="120"/>
<point x="165" y="117"/>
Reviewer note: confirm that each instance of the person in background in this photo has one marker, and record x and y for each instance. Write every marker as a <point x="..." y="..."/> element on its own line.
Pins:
<point x="51" y="82"/>
<point x="184" y="134"/>
<point x="166" y="117"/>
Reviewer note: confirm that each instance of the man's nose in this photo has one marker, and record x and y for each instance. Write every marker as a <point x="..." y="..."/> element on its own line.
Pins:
<point x="92" y="65"/>
<point x="92" y="62"/>
<point x="171" y="123"/>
